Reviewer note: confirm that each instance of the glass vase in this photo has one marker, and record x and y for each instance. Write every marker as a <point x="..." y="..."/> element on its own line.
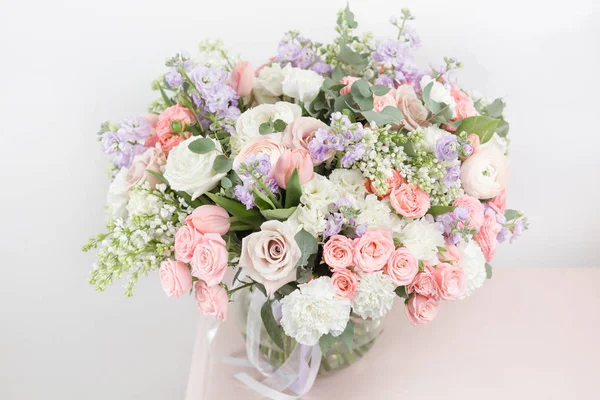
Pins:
<point x="339" y="356"/>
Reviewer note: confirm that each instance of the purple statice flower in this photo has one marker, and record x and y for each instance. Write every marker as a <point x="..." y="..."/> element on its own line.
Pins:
<point x="503" y="235"/>
<point x="173" y="78"/>
<point x="385" y="80"/>
<point x="244" y="194"/>
<point x="452" y="175"/>
<point x="353" y="154"/>
<point x="519" y="228"/>
<point x="462" y="213"/>
<point x="446" y="148"/>
<point x="134" y="128"/>
<point x="333" y="225"/>
<point x="263" y="163"/>
<point x="392" y="52"/>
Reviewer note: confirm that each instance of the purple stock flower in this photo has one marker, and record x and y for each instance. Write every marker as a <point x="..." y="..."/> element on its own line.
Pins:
<point x="446" y="222"/>
<point x="289" y="52"/>
<point x="333" y="225"/>
<point x="409" y="34"/>
<point x="244" y="195"/>
<point x="134" y="128"/>
<point x="467" y="149"/>
<point x="321" y="68"/>
<point x="503" y="235"/>
<point x="462" y="213"/>
<point x="273" y="186"/>
<point x="360" y="230"/>
<point x="352" y="155"/>
<point x="384" y="80"/>
<point x="446" y="148"/>
<point x="452" y="175"/>
<point x="454" y="238"/>
<point x="263" y="166"/>
<point x="520" y="226"/>
<point x="173" y="78"/>
<point x="391" y="51"/>
<point x="215" y="95"/>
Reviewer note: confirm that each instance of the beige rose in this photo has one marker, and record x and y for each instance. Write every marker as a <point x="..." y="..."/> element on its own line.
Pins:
<point x="152" y="159"/>
<point x="415" y="113"/>
<point x="269" y="256"/>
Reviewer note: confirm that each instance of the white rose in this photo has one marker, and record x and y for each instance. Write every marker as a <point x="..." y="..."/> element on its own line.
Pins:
<point x="422" y="238"/>
<point x="117" y="197"/>
<point x="438" y="92"/>
<point x="269" y="256"/>
<point x="350" y="181"/>
<point x="247" y="126"/>
<point x="190" y="172"/>
<point x="301" y="84"/>
<point x="485" y="173"/>
<point x="268" y="84"/>
<point x="312" y="220"/>
<point x="319" y="193"/>
<point x="473" y="263"/>
<point x="431" y="135"/>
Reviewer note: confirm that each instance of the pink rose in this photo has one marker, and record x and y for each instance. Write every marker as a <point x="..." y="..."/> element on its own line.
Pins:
<point x="464" y="105"/>
<point x="410" y="201"/>
<point x="166" y="136"/>
<point x="186" y="239"/>
<point x="415" y="113"/>
<point x="381" y="102"/>
<point x="152" y="159"/>
<point x="209" y="219"/>
<point x="212" y="300"/>
<point x="424" y="284"/>
<point x="348" y="81"/>
<point x="210" y="258"/>
<point x="242" y="78"/>
<point x="345" y="283"/>
<point x="475" y="210"/>
<point x="421" y="309"/>
<point x="392" y="183"/>
<point x="498" y="203"/>
<point x="299" y="133"/>
<point x="451" y="280"/>
<point x="451" y="254"/>
<point x="402" y="267"/>
<point x="338" y="252"/>
<point x="267" y="144"/>
<point x="475" y="142"/>
<point x="486" y="237"/>
<point x="373" y="249"/>
<point x="175" y="278"/>
<point x="289" y="161"/>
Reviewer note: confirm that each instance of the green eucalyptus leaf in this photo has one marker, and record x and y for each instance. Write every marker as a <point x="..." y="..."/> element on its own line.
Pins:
<point x="349" y="17"/>
<point x="341" y="103"/>
<point x="279" y="125"/>
<point x="308" y="246"/>
<point x="511" y="214"/>
<point x="389" y="115"/>
<point x="350" y="57"/>
<point x="326" y="342"/>
<point x="348" y="335"/>
<point x="364" y="103"/>
<point x="401" y="292"/>
<point x="265" y="128"/>
<point x="337" y="74"/>
<point x="488" y="271"/>
<point x="271" y="326"/>
<point x="484" y="127"/>
<point x="439" y="210"/>
<point x="280" y="214"/>
<point x="226" y="183"/>
<point x="293" y="191"/>
<point x="361" y="88"/>
<point x="495" y="108"/>
<point x="502" y="129"/>
<point x="380" y="90"/>
<point x="222" y="164"/>
<point x="202" y="146"/>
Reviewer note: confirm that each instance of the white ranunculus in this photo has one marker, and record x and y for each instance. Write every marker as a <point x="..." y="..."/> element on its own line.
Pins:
<point x="374" y="296"/>
<point x="117" y="197"/>
<point x="431" y="135"/>
<point x="438" y="92"/>
<point x="350" y="181"/>
<point x="190" y="172"/>
<point x="498" y="142"/>
<point x="247" y="126"/>
<point x="473" y="263"/>
<point x="312" y="220"/>
<point x="314" y="310"/>
<point x="375" y="213"/>
<point x="422" y="238"/>
<point x="301" y="84"/>
<point x="485" y="173"/>
<point x="267" y="86"/>
<point x="319" y="193"/>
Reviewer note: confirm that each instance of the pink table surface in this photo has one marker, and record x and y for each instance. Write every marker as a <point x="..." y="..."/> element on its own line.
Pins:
<point x="527" y="334"/>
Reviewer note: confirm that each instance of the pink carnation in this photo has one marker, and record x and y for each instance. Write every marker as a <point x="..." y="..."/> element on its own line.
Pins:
<point x="464" y="105"/>
<point x="486" y="237"/>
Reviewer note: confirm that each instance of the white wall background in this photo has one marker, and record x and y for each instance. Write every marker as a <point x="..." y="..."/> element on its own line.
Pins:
<point x="67" y="65"/>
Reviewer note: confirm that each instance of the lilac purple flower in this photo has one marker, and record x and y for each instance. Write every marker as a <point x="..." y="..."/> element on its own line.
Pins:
<point x="173" y="78"/>
<point x="503" y="235"/>
<point x="452" y="175"/>
<point x="462" y="213"/>
<point x="263" y="163"/>
<point x="384" y="80"/>
<point x="360" y="230"/>
<point x="352" y="155"/>
<point x="134" y="128"/>
<point x="392" y="52"/>
<point x="519" y="228"/>
<point x="244" y="194"/>
<point x="215" y="95"/>
<point x="446" y="148"/>
<point x="299" y="53"/>
<point x="333" y="225"/>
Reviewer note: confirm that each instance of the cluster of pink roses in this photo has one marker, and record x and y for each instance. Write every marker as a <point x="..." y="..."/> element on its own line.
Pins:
<point x="199" y="244"/>
<point x="407" y="199"/>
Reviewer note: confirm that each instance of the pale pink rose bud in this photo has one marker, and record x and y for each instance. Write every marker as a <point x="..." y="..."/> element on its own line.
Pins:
<point x="209" y="219"/>
<point x="175" y="278"/>
<point x="451" y="280"/>
<point x="338" y="252"/>
<point x="211" y="300"/>
<point x="210" y="259"/>
<point x="289" y="161"/>
<point x="373" y="249"/>
<point x="242" y="78"/>
<point x="345" y="283"/>
<point x="402" y="266"/>
<point x="186" y="239"/>
<point x="348" y="81"/>
<point x="410" y="200"/>
<point x="421" y="309"/>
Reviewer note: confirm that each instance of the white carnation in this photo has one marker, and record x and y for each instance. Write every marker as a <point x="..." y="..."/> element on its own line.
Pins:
<point x="319" y="193"/>
<point x="268" y="84"/>
<point x="301" y="84"/>
<point x="473" y="263"/>
<point x="375" y="213"/>
<point x="117" y="197"/>
<point x="438" y="92"/>
<point x="191" y="172"/>
<point x="350" y="181"/>
<point x="311" y="220"/>
<point x="374" y="296"/>
<point x="422" y="238"/>
<point x="314" y="310"/>
<point x="431" y="135"/>
<point x="247" y="125"/>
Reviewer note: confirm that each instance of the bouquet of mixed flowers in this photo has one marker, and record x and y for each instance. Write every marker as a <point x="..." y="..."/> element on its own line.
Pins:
<point x="330" y="180"/>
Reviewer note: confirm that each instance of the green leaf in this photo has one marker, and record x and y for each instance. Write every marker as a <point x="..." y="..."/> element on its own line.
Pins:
<point x="226" y="183"/>
<point x="271" y="326"/>
<point x="409" y="149"/>
<point x="350" y="57"/>
<point x="348" y="335"/>
<point x="240" y="226"/>
<point x="337" y="74"/>
<point x="261" y="200"/>
<point x="380" y="90"/>
<point x="326" y="342"/>
<point x="202" y="146"/>
<point x="483" y="127"/>
<point x="364" y="103"/>
<point x="341" y="103"/>
<point x="389" y="115"/>
<point x="159" y="176"/>
<point x="361" y="88"/>
<point x="511" y="214"/>
<point x="166" y="98"/>
<point x="237" y="209"/>
<point x="280" y="214"/>
<point x="222" y="164"/>
<point x="401" y="292"/>
<point x="293" y="192"/>
<point x="502" y="129"/>
<point x="349" y="17"/>
<point x="439" y="210"/>
<point x="265" y="128"/>
<point x="308" y="246"/>
<point x="495" y="108"/>
<point x="488" y="271"/>
<point x="279" y="125"/>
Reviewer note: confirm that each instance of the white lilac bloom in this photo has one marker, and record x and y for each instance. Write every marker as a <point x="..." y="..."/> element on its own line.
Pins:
<point x="118" y="195"/>
<point x="473" y="263"/>
<point x="374" y="296"/>
<point x="422" y="238"/>
<point x="314" y="310"/>
<point x="349" y="181"/>
<point x="319" y="193"/>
